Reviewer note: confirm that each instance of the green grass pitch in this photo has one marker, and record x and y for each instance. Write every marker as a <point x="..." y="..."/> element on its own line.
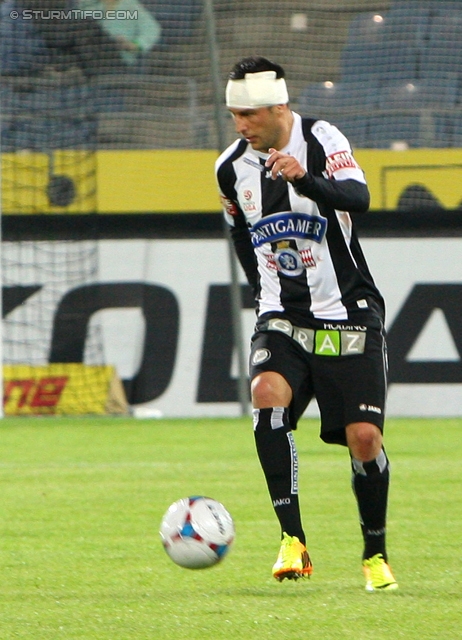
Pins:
<point x="81" y="558"/>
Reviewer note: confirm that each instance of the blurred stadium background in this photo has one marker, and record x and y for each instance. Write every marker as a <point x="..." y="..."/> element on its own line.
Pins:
<point x="388" y="71"/>
<point x="76" y="89"/>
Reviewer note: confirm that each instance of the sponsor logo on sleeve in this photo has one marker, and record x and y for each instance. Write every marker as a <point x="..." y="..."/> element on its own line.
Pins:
<point x="229" y="206"/>
<point x="340" y="160"/>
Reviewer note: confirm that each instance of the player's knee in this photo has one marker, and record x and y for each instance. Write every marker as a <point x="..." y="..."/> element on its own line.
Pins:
<point x="364" y="440"/>
<point x="270" y="389"/>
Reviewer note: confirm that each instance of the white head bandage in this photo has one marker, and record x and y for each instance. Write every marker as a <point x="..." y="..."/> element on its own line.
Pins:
<point x="262" y="89"/>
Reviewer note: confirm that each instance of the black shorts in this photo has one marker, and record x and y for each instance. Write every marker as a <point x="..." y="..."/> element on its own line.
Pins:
<point x="343" y="366"/>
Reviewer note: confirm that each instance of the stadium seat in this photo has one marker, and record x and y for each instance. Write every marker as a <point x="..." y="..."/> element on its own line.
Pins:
<point x="367" y="27"/>
<point x="457" y="130"/>
<point x="419" y="94"/>
<point x="448" y="130"/>
<point x="444" y="6"/>
<point x="132" y="92"/>
<point x="321" y="98"/>
<point x="330" y="97"/>
<point x="149" y="131"/>
<point x="128" y="92"/>
<point x="118" y="92"/>
<point x="408" y="21"/>
<point x="42" y="134"/>
<point x="43" y="113"/>
<point x="446" y="21"/>
<point x="344" y="104"/>
<point x="177" y="18"/>
<point x="386" y="130"/>
<point x="36" y="94"/>
<point x="442" y="55"/>
<point x="378" y="62"/>
<point x="441" y="60"/>
<point x="317" y="98"/>
<point x="423" y="104"/>
<point x="354" y="127"/>
<point x="22" y="49"/>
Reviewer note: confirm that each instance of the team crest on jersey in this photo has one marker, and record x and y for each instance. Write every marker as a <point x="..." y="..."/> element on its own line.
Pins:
<point x="289" y="261"/>
<point x="340" y="160"/>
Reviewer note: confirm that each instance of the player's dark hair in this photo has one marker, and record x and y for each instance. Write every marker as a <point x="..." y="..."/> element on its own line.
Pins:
<point x="254" y="64"/>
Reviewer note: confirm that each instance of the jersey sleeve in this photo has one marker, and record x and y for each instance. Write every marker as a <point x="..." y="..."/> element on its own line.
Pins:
<point x="343" y="195"/>
<point x="239" y="231"/>
<point x="340" y="182"/>
<point x="225" y="178"/>
<point x="340" y="162"/>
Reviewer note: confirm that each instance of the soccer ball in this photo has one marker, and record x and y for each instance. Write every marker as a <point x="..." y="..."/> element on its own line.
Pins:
<point x="197" y="532"/>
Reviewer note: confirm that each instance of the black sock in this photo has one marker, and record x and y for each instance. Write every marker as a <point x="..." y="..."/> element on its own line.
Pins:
<point x="370" y="483"/>
<point x="278" y="458"/>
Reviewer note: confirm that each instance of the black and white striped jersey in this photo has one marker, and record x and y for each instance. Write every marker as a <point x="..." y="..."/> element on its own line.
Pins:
<point x="296" y="242"/>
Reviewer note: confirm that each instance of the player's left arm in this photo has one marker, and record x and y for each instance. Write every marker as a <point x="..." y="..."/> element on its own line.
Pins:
<point x="342" y="185"/>
<point x="344" y="195"/>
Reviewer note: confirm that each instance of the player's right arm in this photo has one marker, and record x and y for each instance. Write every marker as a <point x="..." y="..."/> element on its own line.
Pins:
<point x="237" y="223"/>
<point x="241" y="240"/>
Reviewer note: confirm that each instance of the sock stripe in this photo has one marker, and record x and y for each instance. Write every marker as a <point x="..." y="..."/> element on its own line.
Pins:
<point x="359" y="467"/>
<point x="293" y="463"/>
<point x="382" y="461"/>
<point x="277" y="417"/>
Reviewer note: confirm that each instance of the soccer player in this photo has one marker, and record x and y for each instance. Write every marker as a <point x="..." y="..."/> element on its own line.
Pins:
<point x="287" y="187"/>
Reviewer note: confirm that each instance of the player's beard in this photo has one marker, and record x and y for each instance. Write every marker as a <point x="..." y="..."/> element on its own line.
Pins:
<point x="271" y="137"/>
<point x="263" y="143"/>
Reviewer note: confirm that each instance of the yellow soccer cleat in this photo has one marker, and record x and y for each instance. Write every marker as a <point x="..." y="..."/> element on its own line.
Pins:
<point x="293" y="560"/>
<point x="378" y="574"/>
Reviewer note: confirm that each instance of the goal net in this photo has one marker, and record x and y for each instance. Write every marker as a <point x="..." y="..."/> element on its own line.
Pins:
<point x="80" y="77"/>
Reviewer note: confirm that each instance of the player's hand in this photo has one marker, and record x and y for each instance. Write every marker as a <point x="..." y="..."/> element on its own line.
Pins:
<point x="285" y="166"/>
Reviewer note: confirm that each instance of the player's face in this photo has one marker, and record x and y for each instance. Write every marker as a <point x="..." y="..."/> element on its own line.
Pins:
<point x="262" y="128"/>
